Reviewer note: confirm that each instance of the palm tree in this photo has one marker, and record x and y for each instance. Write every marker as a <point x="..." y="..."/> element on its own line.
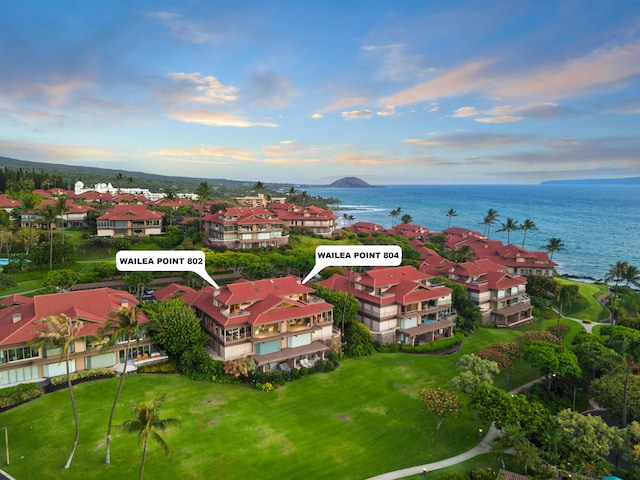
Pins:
<point x="120" y="178"/>
<point x="292" y="194"/>
<point x="553" y="245"/>
<point x="147" y="423"/>
<point x="121" y="323"/>
<point x="61" y="331"/>
<point x="526" y="226"/>
<point x="508" y="226"/>
<point x="632" y="277"/>
<point x="259" y="187"/>
<point x="303" y="197"/>
<point x="615" y="274"/>
<point x="29" y="203"/>
<point x="406" y="218"/>
<point x="49" y="214"/>
<point x="394" y="214"/>
<point x="451" y="213"/>
<point x="204" y="193"/>
<point x="62" y="208"/>
<point x="489" y="219"/>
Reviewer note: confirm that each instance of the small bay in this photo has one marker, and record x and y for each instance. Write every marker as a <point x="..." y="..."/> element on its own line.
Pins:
<point x="599" y="224"/>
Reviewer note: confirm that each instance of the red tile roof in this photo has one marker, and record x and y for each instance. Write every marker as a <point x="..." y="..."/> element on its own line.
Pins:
<point x="172" y="290"/>
<point x="90" y="306"/>
<point x="130" y="212"/>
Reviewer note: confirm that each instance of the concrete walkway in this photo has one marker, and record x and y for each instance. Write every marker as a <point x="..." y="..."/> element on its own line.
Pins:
<point x="483" y="447"/>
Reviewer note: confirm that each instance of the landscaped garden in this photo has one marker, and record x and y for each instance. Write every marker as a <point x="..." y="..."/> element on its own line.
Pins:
<point x="364" y="419"/>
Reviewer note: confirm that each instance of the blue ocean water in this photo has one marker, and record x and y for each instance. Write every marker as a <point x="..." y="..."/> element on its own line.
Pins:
<point x="599" y="224"/>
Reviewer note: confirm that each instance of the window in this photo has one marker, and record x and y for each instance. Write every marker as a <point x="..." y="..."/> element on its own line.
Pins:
<point x="17" y="354"/>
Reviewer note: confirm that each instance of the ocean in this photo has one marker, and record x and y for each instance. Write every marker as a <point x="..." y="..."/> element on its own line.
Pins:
<point x="598" y="224"/>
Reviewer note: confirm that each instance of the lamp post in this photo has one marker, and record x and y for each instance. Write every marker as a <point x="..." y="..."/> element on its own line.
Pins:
<point x="424" y="472"/>
<point x="6" y="442"/>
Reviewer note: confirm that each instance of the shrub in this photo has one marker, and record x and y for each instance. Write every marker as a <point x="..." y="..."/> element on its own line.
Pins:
<point x="12" y="396"/>
<point x="82" y="375"/>
<point x="264" y="387"/>
<point x="586" y="320"/>
<point x="295" y="373"/>
<point x="319" y="367"/>
<point x="437" y="346"/>
<point x="166" y="367"/>
<point x="304" y="371"/>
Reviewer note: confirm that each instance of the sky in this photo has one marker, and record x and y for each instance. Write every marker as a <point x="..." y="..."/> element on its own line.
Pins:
<point x="393" y="92"/>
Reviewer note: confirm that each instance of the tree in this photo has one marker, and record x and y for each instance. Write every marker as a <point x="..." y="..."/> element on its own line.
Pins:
<point x="6" y="238"/>
<point x="147" y="423"/>
<point x="29" y="202"/>
<point x="489" y="219"/>
<point x="62" y="280"/>
<point x="508" y="227"/>
<point x="504" y="354"/>
<point x="444" y="403"/>
<point x="553" y="245"/>
<point x="49" y="214"/>
<point x="406" y="218"/>
<point x="204" y="194"/>
<point x="474" y="372"/>
<point x="394" y="215"/>
<point x="565" y="295"/>
<point x="258" y="187"/>
<point x="61" y="331"/>
<point x="137" y="281"/>
<point x="121" y="323"/>
<point x="525" y="227"/>
<point x="505" y="410"/>
<point x="631" y="276"/>
<point x="619" y="393"/>
<point x="553" y="360"/>
<point x="174" y="326"/>
<point x="585" y="435"/>
<point x="28" y="237"/>
<point x="615" y="274"/>
<point x="62" y="209"/>
<point x="119" y="179"/>
<point x="451" y="213"/>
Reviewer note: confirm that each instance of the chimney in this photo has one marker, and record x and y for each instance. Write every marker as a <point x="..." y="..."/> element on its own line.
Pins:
<point x="124" y="303"/>
<point x="16" y="317"/>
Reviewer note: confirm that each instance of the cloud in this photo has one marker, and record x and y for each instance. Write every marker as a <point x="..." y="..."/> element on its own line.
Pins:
<point x="206" y="151"/>
<point x="292" y="161"/>
<point x="355" y="114"/>
<point x="466" y="112"/>
<point x="511" y="114"/>
<point x="387" y="111"/>
<point x="216" y="119"/>
<point x="397" y="65"/>
<point x="269" y="89"/>
<point x="345" y="102"/>
<point x="185" y="30"/>
<point x="433" y="108"/>
<point x="458" y="81"/>
<point x="502" y="119"/>
<point x="197" y="88"/>
<point x="55" y="152"/>
<point x="599" y="70"/>
<point x="461" y="139"/>
<point x="317" y="116"/>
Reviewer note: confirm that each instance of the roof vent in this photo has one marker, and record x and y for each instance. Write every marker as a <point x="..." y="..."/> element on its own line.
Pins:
<point x="16" y="317"/>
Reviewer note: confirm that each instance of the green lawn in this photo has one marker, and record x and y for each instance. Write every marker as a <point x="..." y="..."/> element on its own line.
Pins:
<point x="361" y="420"/>
<point x="587" y="306"/>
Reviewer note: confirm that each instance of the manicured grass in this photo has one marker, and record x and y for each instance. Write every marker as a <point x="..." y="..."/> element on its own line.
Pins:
<point x="587" y="306"/>
<point x="361" y="420"/>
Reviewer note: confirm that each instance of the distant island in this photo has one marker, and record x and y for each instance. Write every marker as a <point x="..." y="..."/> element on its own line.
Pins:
<point x="350" y="182"/>
<point x="595" y="181"/>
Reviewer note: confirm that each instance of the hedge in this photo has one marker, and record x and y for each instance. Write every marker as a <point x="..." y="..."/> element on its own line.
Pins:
<point x="61" y="380"/>
<point x="12" y="396"/>
<point x="437" y="346"/>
